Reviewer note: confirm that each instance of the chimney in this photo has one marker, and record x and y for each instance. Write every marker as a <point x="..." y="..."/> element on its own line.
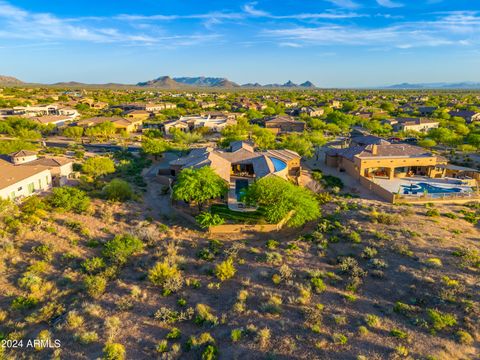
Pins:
<point x="374" y="149"/>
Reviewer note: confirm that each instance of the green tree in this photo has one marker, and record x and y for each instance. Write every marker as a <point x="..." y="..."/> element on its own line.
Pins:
<point x="278" y="197"/>
<point x="69" y="198"/>
<point x="118" y="190"/>
<point x="263" y="138"/>
<point x="155" y="147"/>
<point x="98" y="166"/>
<point x="74" y="132"/>
<point x="199" y="186"/>
<point x="427" y="143"/>
<point x="121" y="247"/>
<point x="298" y="143"/>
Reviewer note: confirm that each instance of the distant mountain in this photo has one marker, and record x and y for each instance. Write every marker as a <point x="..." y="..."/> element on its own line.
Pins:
<point x="440" y="85"/>
<point x="202" y="81"/>
<point x="76" y="84"/>
<point x="290" y="84"/>
<point x="10" y="80"/>
<point x="162" y="82"/>
<point x="213" y="82"/>
<point x="307" y="84"/>
<point x="252" y="85"/>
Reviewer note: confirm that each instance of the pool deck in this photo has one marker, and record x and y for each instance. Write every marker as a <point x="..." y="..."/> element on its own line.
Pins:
<point x="395" y="185"/>
<point x="233" y="203"/>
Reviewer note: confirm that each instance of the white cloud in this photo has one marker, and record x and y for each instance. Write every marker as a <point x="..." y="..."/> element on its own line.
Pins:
<point x="349" y="4"/>
<point x="389" y="4"/>
<point x="457" y="28"/>
<point x="16" y="23"/>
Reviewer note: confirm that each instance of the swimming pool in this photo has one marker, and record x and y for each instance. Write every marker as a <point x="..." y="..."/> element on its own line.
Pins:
<point x="420" y="188"/>
<point x="278" y="164"/>
<point x="240" y="188"/>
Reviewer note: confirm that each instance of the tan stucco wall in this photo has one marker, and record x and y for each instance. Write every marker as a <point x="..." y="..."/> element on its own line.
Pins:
<point x="393" y="163"/>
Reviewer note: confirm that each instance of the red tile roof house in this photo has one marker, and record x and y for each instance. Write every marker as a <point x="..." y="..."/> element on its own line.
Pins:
<point x="241" y="165"/>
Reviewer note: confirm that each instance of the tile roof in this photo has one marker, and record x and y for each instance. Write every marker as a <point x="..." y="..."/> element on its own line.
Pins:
<point x="12" y="174"/>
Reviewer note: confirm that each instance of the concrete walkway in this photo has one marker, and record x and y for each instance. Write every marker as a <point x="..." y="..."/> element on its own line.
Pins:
<point x="351" y="185"/>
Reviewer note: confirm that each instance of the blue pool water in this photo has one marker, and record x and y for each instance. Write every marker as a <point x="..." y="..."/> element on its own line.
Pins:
<point x="279" y="165"/>
<point x="420" y="188"/>
<point x="240" y="188"/>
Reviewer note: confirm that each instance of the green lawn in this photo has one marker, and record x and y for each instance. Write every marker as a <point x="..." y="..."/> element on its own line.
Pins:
<point x="254" y="217"/>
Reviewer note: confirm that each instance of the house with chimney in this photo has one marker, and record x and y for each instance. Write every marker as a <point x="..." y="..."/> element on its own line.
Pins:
<point x="240" y="165"/>
<point x="405" y="173"/>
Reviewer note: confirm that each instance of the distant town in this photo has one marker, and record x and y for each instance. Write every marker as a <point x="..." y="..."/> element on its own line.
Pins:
<point x="207" y="219"/>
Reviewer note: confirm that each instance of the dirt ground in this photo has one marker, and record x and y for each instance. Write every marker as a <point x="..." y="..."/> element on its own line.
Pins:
<point x="286" y="304"/>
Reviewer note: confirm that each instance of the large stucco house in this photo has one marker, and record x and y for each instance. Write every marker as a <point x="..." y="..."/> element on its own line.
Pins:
<point x="403" y="171"/>
<point x="240" y="165"/>
<point x="23" y="174"/>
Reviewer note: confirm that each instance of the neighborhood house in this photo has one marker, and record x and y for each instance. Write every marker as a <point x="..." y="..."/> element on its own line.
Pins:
<point x="23" y="174"/>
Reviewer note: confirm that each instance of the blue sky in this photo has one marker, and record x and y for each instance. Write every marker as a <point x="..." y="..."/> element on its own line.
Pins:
<point x="334" y="43"/>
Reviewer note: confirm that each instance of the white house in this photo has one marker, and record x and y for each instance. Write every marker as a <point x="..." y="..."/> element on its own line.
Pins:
<point x="21" y="181"/>
<point x="23" y="174"/>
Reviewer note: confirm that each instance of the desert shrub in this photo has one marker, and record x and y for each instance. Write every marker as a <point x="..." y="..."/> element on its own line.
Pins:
<point x="225" y="270"/>
<point x="470" y="257"/>
<point x="273" y="257"/>
<point x="272" y="244"/>
<point x="210" y="352"/>
<point x="404" y="309"/>
<point x="384" y="218"/>
<point x="121" y="247"/>
<point x="432" y="212"/>
<point x="434" y="262"/>
<point x="398" y="333"/>
<point x="354" y="237"/>
<point x="200" y="340"/>
<point x="44" y="251"/>
<point x="24" y="303"/>
<point x="339" y="339"/>
<point x="349" y="265"/>
<point x="378" y="264"/>
<point x="236" y="334"/>
<point x="118" y="190"/>
<point x="69" y="199"/>
<point x="263" y="337"/>
<point x="313" y="317"/>
<point x="86" y="337"/>
<point x="318" y="284"/>
<point x="162" y="346"/>
<point x="464" y="337"/>
<point x="74" y="320"/>
<point x="46" y="313"/>
<point x="168" y="316"/>
<point x="372" y="320"/>
<point x="204" y="315"/>
<point x="93" y="265"/>
<point x="114" y="351"/>
<point x="440" y="320"/>
<point x="166" y="275"/>
<point x="369" y="252"/>
<point x="174" y="334"/>
<point x="207" y="219"/>
<point x="95" y="285"/>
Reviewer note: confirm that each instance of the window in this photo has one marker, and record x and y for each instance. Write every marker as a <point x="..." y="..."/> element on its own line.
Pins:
<point x="39" y="183"/>
<point x="12" y="195"/>
<point x="31" y="188"/>
<point x="47" y="180"/>
<point x="20" y="188"/>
